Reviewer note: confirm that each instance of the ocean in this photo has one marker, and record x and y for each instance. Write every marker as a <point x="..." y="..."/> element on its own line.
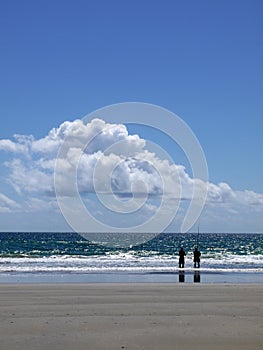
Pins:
<point x="68" y="257"/>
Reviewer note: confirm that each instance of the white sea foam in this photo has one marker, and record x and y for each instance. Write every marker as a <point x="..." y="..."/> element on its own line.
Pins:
<point x="129" y="263"/>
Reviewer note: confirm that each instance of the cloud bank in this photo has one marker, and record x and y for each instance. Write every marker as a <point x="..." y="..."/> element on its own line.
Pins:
<point x="110" y="162"/>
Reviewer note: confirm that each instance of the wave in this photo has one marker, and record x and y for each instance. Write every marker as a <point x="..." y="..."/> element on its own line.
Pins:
<point x="129" y="263"/>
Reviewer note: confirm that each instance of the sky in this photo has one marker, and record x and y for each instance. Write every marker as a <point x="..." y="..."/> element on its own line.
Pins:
<point x="62" y="60"/>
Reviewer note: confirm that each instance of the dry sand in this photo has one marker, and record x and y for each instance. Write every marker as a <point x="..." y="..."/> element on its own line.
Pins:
<point x="131" y="316"/>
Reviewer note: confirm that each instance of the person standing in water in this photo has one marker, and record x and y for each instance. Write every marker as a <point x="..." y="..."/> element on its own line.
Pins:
<point x="197" y="255"/>
<point x="181" y="257"/>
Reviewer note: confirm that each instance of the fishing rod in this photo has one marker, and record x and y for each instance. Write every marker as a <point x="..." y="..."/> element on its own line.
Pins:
<point x="197" y="237"/>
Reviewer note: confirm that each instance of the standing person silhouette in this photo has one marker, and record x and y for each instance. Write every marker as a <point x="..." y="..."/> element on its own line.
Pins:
<point x="197" y="255"/>
<point x="181" y="257"/>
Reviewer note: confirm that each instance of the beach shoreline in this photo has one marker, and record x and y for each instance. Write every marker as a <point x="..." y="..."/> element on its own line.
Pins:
<point x="131" y="316"/>
<point x="186" y="276"/>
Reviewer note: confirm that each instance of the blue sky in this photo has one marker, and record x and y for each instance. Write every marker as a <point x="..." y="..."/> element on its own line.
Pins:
<point x="60" y="60"/>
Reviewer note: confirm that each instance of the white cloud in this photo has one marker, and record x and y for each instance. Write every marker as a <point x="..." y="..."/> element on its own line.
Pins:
<point x="10" y="146"/>
<point x="7" y="204"/>
<point x="221" y="193"/>
<point x="100" y="149"/>
<point x="28" y="177"/>
<point x="250" y="198"/>
<point x="93" y="137"/>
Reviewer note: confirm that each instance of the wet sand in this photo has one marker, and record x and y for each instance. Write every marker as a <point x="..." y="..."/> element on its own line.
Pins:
<point x="131" y="316"/>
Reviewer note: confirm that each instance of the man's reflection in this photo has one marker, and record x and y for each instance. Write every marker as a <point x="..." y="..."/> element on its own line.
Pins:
<point x="181" y="276"/>
<point x="197" y="277"/>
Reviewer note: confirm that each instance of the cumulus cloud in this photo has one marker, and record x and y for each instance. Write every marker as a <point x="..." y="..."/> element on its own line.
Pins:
<point x="250" y="198"/>
<point x="10" y="146"/>
<point x="28" y="177"/>
<point x="220" y="193"/>
<point x="108" y="160"/>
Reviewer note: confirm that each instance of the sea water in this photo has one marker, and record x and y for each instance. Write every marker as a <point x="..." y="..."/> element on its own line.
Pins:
<point x="68" y="257"/>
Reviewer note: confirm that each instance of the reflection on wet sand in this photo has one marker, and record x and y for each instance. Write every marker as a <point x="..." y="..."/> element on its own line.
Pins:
<point x="181" y="276"/>
<point x="197" y="278"/>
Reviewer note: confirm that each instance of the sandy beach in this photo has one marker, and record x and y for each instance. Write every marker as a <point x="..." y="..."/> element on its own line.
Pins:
<point x="131" y="316"/>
